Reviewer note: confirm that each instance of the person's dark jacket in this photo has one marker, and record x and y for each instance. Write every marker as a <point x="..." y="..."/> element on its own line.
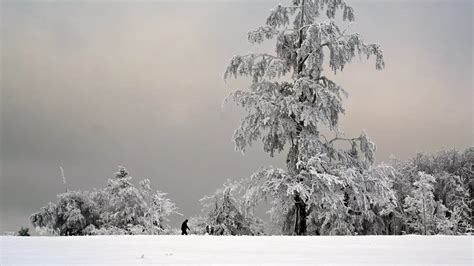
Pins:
<point x="184" y="227"/>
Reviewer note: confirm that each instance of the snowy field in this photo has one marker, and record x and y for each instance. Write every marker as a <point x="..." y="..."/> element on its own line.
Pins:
<point x="314" y="250"/>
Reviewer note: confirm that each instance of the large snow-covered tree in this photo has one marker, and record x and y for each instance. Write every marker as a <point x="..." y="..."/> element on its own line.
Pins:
<point x="290" y="102"/>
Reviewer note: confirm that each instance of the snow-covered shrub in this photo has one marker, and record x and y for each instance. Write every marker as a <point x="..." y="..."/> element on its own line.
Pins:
<point x="197" y="225"/>
<point x="227" y="215"/>
<point x="73" y="212"/>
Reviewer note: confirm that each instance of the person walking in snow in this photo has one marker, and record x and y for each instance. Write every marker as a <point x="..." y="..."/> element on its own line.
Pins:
<point x="184" y="227"/>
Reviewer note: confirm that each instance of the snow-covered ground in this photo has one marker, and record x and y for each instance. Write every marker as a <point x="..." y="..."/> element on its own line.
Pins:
<point x="314" y="250"/>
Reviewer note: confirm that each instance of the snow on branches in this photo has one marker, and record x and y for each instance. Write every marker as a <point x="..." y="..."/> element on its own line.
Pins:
<point x="309" y="99"/>
<point x="289" y="102"/>
<point x="226" y="214"/>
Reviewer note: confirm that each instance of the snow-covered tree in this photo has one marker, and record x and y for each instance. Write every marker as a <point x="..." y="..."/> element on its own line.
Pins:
<point x="125" y="203"/>
<point x="290" y="102"/>
<point x="198" y="224"/>
<point x="156" y="217"/>
<point x="421" y="206"/>
<point x="134" y="209"/>
<point x="71" y="215"/>
<point x="227" y="215"/>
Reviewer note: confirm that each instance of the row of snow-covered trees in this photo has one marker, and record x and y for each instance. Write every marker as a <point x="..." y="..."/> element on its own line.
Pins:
<point x="435" y="193"/>
<point x="120" y="208"/>
<point x="426" y="194"/>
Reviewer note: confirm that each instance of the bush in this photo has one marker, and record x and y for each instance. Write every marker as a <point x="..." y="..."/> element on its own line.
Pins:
<point x="24" y="231"/>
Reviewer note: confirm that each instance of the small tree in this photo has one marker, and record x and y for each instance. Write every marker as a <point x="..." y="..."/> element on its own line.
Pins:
<point x="160" y="208"/>
<point x="198" y="224"/>
<point x="452" y="171"/>
<point x="125" y="203"/>
<point x="24" y="231"/>
<point x="290" y="101"/>
<point x="421" y="205"/>
<point x="227" y="215"/>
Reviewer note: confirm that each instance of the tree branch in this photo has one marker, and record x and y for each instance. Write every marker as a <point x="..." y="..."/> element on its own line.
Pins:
<point x="344" y="139"/>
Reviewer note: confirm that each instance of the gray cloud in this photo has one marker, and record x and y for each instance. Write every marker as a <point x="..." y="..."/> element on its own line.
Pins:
<point x="90" y="86"/>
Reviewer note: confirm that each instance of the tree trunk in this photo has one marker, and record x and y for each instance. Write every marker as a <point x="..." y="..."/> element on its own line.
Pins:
<point x="300" y="206"/>
<point x="292" y="159"/>
<point x="300" y="212"/>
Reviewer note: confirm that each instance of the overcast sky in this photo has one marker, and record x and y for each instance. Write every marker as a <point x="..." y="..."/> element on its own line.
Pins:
<point x="92" y="85"/>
